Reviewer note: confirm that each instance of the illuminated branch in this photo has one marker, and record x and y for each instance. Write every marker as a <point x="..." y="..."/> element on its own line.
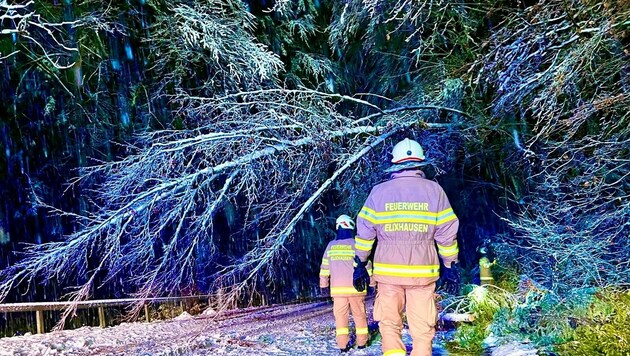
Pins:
<point x="48" y="37"/>
<point x="156" y="206"/>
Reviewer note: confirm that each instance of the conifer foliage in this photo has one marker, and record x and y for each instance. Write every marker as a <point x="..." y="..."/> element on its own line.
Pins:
<point x="216" y="127"/>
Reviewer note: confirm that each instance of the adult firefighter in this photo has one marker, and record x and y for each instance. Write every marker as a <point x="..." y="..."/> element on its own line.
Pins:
<point x="408" y="214"/>
<point x="336" y="271"/>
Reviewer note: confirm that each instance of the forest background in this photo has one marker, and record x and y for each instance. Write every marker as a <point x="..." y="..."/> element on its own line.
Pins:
<point x="155" y="148"/>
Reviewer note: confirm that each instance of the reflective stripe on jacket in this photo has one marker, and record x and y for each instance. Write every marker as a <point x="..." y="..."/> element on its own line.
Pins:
<point x="337" y="268"/>
<point x="409" y="215"/>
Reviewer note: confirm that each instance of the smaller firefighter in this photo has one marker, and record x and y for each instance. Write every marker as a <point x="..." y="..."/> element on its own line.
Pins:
<point x="336" y="273"/>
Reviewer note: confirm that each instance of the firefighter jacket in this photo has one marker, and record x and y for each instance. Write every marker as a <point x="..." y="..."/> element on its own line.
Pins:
<point x="338" y="266"/>
<point x="409" y="215"/>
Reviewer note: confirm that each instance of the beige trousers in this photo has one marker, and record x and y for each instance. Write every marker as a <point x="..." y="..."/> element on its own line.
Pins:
<point x="341" y="308"/>
<point x="421" y="316"/>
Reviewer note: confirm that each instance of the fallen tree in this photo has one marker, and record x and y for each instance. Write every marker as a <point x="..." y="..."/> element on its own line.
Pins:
<point x="154" y="210"/>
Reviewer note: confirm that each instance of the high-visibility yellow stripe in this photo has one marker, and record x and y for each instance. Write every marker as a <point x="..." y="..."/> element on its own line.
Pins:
<point x="425" y="217"/>
<point x="427" y="214"/>
<point x="375" y="213"/>
<point x="324" y="272"/>
<point x="381" y="221"/>
<point x="363" y="245"/>
<point x="373" y="220"/>
<point x="378" y="215"/>
<point x="486" y="278"/>
<point x="362" y="331"/>
<point x="360" y="241"/>
<point x="402" y="216"/>
<point x="342" y="331"/>
<point x="325" y="261"/>
<point x="406" y="271"/>
<point x="368" y="211"/>
<point x="446" y="219"/>
<point x="344" y="253"/>
<point x="424" y="214"/>
<point x="449" y="254"/>
<point x="448" y="250"/>
<point x="340" y="253"/>
<point x="395" y="352"/>
<point x="444" y="212"/>
<point x="405" y="220"/>
<point x="345" y="290"/>
<point x="445" y="216"/>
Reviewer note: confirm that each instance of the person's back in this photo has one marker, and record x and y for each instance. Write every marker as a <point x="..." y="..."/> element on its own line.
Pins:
<point x="408" y="214"/>
<point x="336" y="273"/>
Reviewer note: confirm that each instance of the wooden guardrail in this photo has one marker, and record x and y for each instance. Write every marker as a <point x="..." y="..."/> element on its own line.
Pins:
<point x="40" y="307"/>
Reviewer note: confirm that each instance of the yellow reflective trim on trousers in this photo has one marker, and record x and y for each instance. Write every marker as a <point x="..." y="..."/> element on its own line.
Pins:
<point x="342" y="331"/>
<point x="345" y="290"/>
<point x="362" y="331"/>
<point x="324" y="272"/>
<point x="395" y="352"/>
<point x="406" y="271"/>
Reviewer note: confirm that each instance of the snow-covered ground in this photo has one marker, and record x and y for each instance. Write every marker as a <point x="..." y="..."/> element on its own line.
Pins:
<point x="299" y="329"/>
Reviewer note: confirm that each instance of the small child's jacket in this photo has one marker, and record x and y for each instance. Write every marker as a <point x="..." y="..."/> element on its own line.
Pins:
<point x="338" y="266"/>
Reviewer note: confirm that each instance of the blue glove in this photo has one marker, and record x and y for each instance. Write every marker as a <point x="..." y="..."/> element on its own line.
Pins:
<point x="325" y="291"/>
<point x="360" y="277"/>
<point x="451" y="279"/>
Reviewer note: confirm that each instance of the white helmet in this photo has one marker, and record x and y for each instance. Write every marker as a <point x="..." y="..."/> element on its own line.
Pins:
<point x="344" y="222"/>
<point x="407" y="151"/>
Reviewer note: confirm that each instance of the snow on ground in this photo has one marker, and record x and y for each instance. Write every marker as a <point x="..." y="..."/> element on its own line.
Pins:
<point x="298" y="329"/>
